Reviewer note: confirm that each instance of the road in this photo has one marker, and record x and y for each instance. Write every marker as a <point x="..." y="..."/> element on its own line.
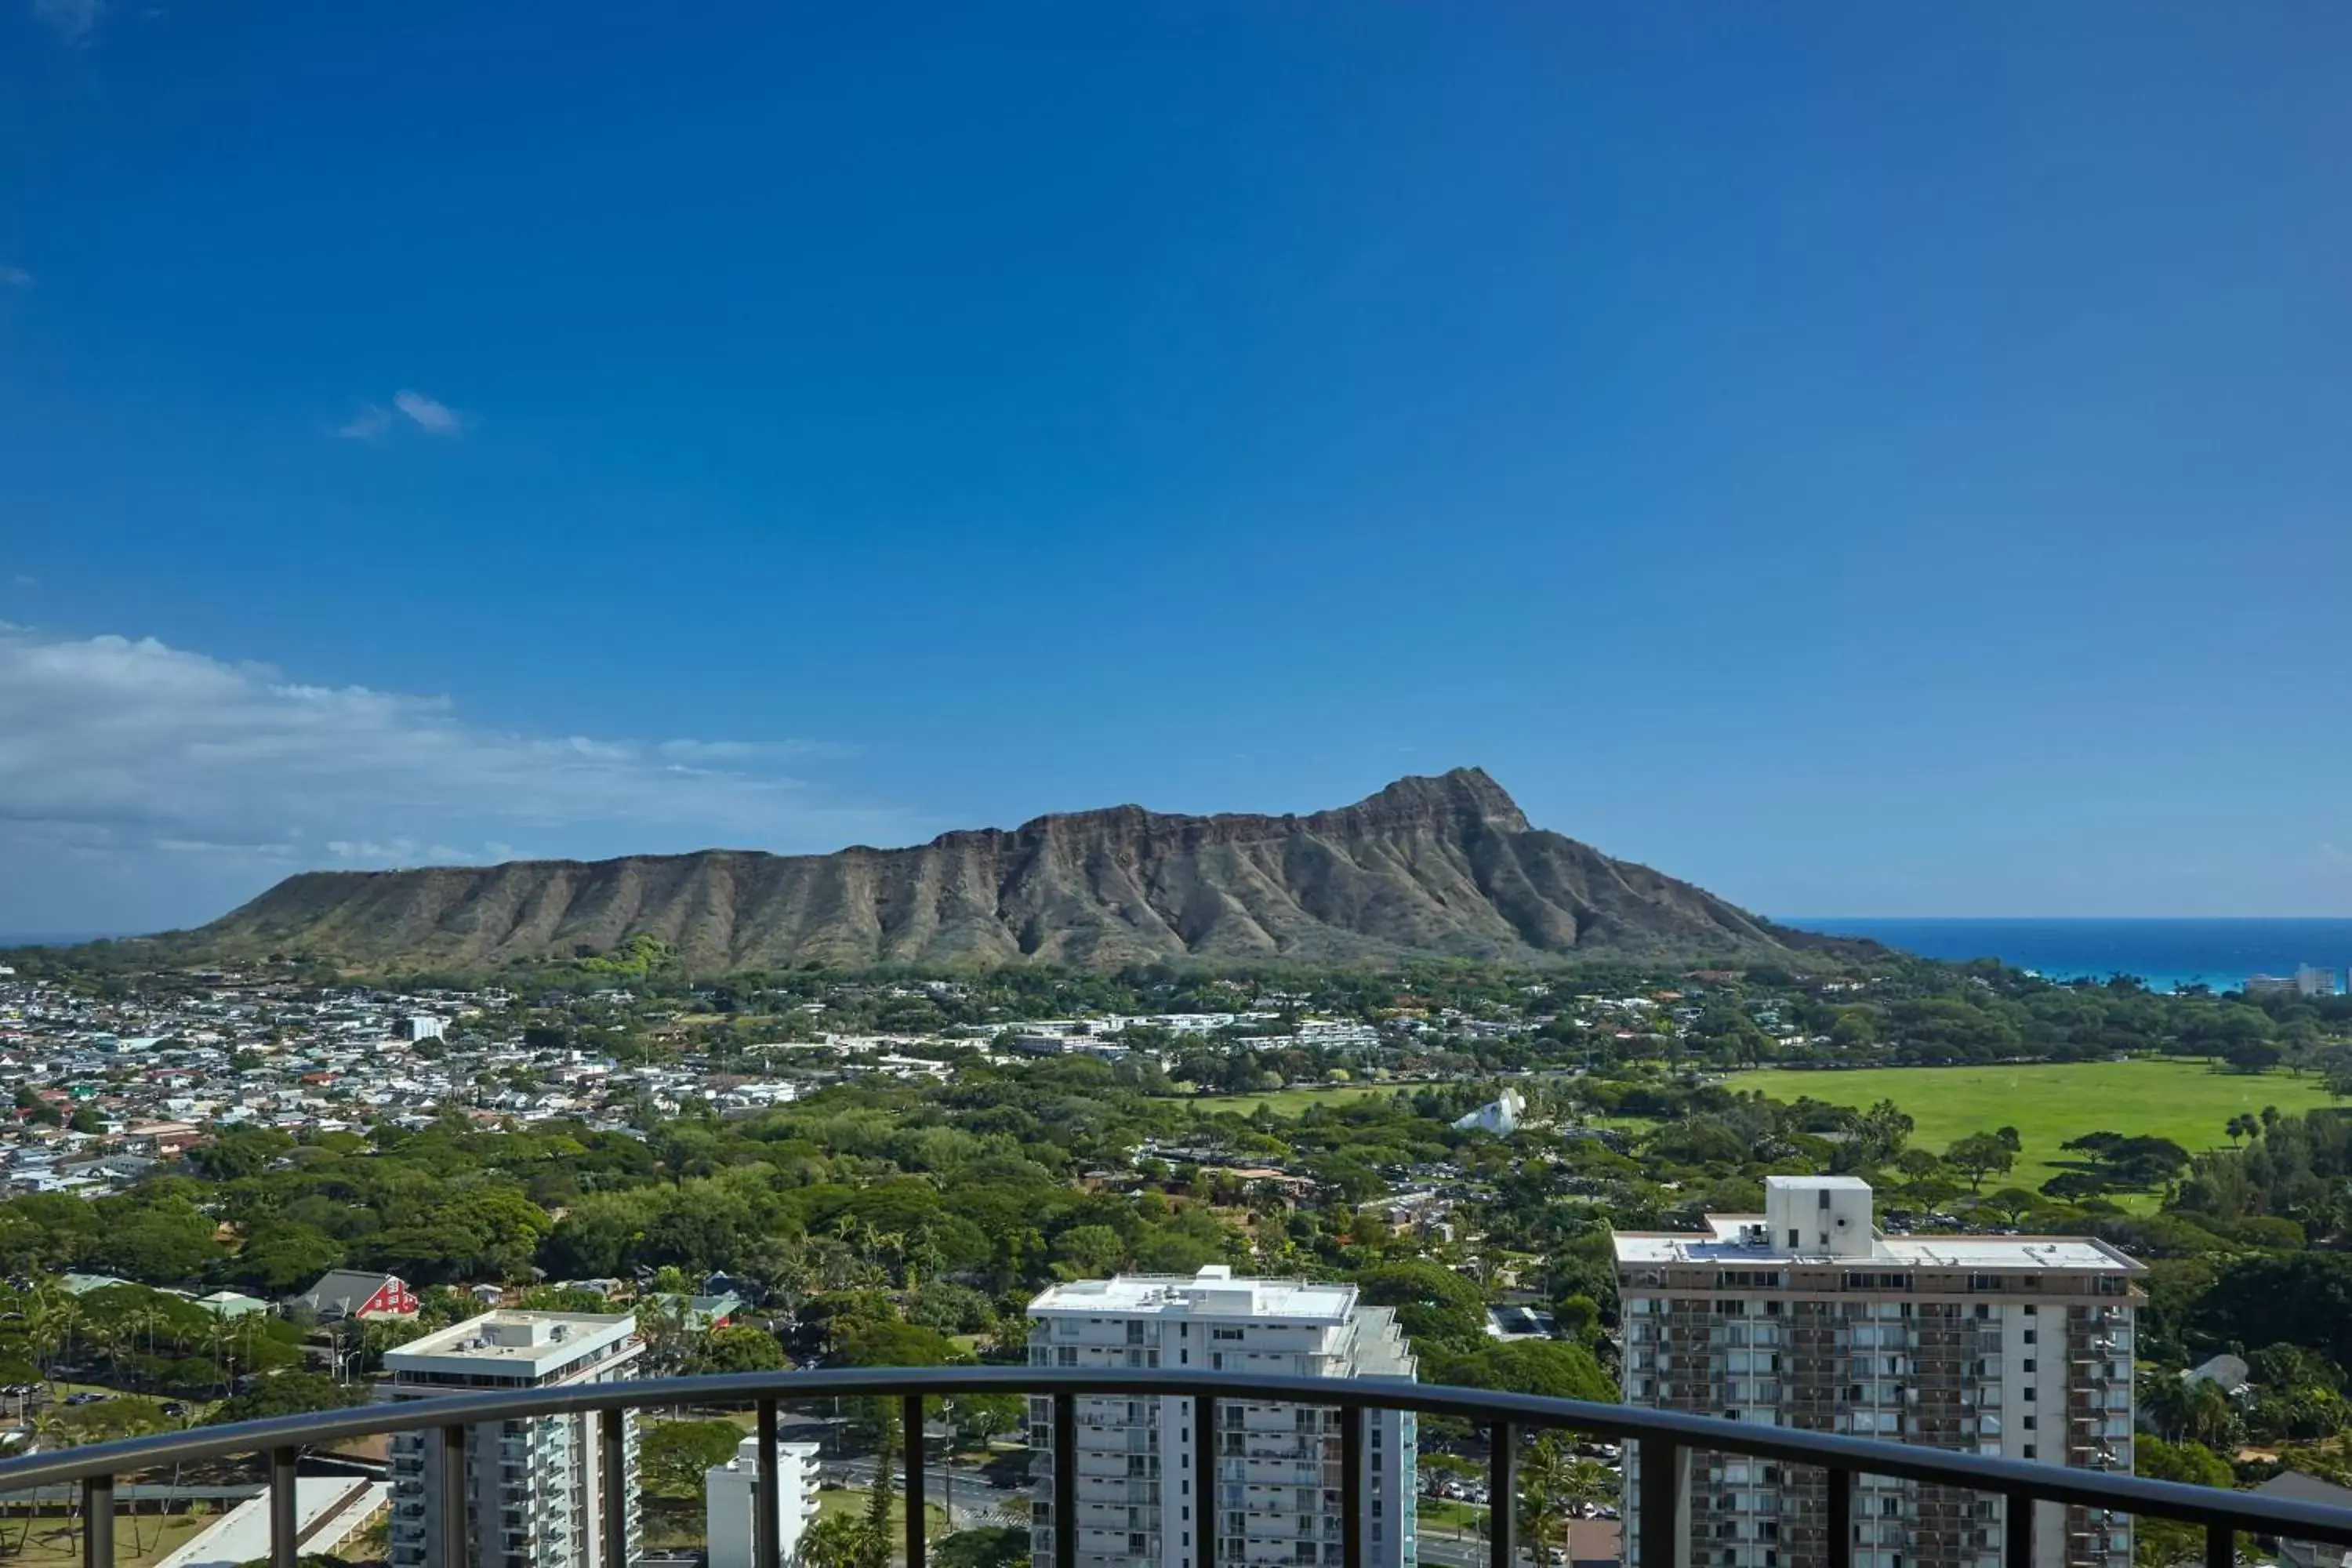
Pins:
<point x="977" y="1501"/>
<point x="974" y="1499"/>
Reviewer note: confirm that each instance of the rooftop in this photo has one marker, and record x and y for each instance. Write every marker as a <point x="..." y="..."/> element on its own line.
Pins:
<point x="1214" y="1289"/>
<point x="1735" y="1241"/>
<point x="522" y="1342"/>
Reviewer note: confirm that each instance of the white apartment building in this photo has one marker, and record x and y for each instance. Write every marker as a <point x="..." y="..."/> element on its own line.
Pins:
<point x="535" y="1486"/>
<point x="1275" y="1494"/>
<point x="1805" y="1316"/>
<point x="731" y="1492"/>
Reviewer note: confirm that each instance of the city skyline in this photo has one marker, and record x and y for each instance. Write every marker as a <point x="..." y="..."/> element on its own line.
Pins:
<point x="1880" y="463"/>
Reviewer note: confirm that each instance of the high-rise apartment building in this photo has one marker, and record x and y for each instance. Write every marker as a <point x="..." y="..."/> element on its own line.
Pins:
<point x="1805" y="1316"/>
<point x="536" y="1487"/>
<point x="1273" y="1491"/>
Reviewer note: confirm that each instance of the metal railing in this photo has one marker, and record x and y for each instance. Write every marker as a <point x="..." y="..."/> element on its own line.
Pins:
<point x="1661" y="1443"/>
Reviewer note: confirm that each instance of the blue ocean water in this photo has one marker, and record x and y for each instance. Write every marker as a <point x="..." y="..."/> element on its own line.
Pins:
<point x="2166" y="954"/>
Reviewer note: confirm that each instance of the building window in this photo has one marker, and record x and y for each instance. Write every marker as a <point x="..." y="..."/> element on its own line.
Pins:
<point x="2029" y="1364"/>
<point x="2029" y="1450"/>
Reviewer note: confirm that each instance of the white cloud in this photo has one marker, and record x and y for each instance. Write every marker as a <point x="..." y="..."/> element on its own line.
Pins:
<point x="132" y="753"/>
<point x="366" y="425"/>
<point x="433" y="417"/>
<point x="15" y="278"/>
<point x="72" y="20"/>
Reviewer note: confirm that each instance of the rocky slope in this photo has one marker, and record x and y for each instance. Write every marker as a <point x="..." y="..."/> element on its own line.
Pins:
<point x="1428" y="866"/>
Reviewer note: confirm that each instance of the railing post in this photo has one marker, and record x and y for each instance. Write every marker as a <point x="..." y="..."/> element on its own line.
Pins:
<point x="1502" y="1495"/>
<point x="614" y="1466"/>
<point x="1661" y="1503"/>
<point x="285" y="1529"/>
<point x="910" y="1417"/>
<point x="1351" y="1488"/>
<point x="767" y="1528"/>
<point x="2221" y="1546"/>
<point x="1065" y="1479"/>
<point x="97" y="1522"/>
<point x="1838" y="1551"/>
<point x="453" y="1500"/>
<point x="1204" y="1481"/>
<point x="2017" y="1531"/>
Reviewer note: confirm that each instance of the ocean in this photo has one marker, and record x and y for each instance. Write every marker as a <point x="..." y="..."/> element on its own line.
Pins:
<point x="2166" y="953"/>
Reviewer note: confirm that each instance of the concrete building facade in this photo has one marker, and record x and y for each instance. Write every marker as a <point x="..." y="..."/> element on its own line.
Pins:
<point x="535" y="1488"/>
<point x="1272" y="1491"/>
<point x="730" y="1503"/>
<point x="1806" y="1316"/>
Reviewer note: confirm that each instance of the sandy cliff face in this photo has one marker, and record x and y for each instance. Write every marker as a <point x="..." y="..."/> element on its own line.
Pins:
<point x="1444" y="864"/>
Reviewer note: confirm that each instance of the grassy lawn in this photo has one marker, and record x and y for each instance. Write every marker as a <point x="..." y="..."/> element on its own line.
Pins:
<point x="839" y="1501"/>
<point x="1445" y="1513"/>
<point x="53" y="1546"/>
<point x="2183" y="1100"/>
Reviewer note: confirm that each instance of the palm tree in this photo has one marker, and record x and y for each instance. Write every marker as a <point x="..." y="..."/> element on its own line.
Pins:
<point x="830" y="1542"/>
<point x="922" y="1253"/>
<point x="48" y="1320"/>
<point x="2190" y="1410"/>
<point x="1546" y="1468"/>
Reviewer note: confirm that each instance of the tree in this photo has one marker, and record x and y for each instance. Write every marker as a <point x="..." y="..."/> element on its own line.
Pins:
<point x="1552" y="1368"/>
<point x="832" y="1541"/>
<point x="674" y="1455"/>
<point x="2190" y="1410"/>
<point x="1088" y="1251"/>
<point x="874" y="1532"/>
<point x="287" y="1394"/>
<point x="2010" y="1203"/>
<point x="2159" y="1543"/>
<point x="866" y="1342"/>
<point x="740" y="1347"/>
<point x="1979" y="1155"/>
<point x="280" y="1258"/>
<point x="1553" y="1482"/>
<point x="1433" y="1303"/>
<point x="990" y="1546"/>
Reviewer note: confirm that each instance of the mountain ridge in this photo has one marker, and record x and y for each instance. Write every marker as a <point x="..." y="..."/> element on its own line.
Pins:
<point x="1442" y="865"/>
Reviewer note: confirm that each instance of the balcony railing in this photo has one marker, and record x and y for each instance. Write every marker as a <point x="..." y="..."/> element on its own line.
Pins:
<point x="1660" y="1442"/>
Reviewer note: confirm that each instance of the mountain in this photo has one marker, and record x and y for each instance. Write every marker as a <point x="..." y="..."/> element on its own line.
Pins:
<point x="1428" y="866"/>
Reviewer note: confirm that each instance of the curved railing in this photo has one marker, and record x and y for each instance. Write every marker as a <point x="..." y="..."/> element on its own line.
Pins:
<point x="1658" y="1442"/>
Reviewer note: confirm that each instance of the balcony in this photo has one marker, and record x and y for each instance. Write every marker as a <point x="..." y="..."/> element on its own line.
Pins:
<point x="1659" y="1445"/>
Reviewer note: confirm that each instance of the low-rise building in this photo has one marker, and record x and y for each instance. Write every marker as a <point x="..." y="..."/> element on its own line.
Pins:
<point x="730" y="1503"/>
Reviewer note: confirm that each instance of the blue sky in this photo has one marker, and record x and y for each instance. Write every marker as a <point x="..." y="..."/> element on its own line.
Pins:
<point x="1870" y="459"/>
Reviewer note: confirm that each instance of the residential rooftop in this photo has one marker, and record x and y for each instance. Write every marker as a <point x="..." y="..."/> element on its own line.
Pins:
<point x="1729" y="1244"/>
<point x="520" y="1342"/>
<point x="1214" y="1290"/>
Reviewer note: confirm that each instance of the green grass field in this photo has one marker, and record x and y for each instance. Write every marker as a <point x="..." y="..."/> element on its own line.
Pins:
<point x="2183" y="1100"/>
